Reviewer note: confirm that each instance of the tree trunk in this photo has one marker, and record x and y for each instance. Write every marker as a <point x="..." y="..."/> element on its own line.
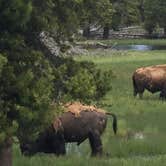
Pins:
<point x="6" y="154"/>
<point x="165" y="31"/>
<point x="86" y="32"/>
<point x="141" y="9"/>
<point x="106" y="32"/>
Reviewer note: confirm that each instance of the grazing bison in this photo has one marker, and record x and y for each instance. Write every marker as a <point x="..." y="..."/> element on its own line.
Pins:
<point x="70" y="128"/>
<point x="152" y="78"/>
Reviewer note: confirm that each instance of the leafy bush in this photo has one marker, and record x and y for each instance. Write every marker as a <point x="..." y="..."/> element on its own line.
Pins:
<point x="80" y="81"/>
<point x="25" y="92"/>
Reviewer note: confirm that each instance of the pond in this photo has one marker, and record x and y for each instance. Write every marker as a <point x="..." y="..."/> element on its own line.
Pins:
<point x="138" y="47"/>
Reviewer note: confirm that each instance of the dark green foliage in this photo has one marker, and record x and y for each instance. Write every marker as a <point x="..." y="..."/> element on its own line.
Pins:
<point x="155" y="14"/>
<point x="26" y="88"/>
<point x="30" y="81"/>
<point x="80" y="81"/>
<point x="3" y="61"/>
<point x="151" y="15"/>
<point x="162" y="14"/>
<point x="67" y="16"/>
<point x="14" y="14"/>
<point x="95" y="12"/>
<point x="125" y="13"/>
<point x="103" y="83"/>
<point x="26" y="78"/>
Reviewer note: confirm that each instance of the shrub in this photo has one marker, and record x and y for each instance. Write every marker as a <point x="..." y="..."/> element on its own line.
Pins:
<point x="80" y="81"/>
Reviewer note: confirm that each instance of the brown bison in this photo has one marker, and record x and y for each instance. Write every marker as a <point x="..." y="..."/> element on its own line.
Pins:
<point x="152" y="78"/>
<point x="70" y="128"/>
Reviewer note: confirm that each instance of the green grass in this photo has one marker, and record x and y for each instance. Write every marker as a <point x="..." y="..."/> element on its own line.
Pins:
<point x="141" y="136"/>
<point x="154" y="42"/>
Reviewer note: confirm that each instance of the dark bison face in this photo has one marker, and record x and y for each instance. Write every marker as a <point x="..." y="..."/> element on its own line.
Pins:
<point x="45" y="143"/>
<point x="27" y="148"/>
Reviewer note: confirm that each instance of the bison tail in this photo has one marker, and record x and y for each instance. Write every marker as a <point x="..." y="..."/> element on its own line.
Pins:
<point x="114" y="124"/>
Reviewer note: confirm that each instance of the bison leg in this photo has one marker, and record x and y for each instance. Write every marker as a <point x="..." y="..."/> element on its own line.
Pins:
<point x="58" y="145"/>
<point x="135" y="93"/>
<point x="140" y="95"/>
<point x="138" y="91"/>
<point x="163" y="94"/>
<point x="95" y="143"/>
<point x="60" y="149"/>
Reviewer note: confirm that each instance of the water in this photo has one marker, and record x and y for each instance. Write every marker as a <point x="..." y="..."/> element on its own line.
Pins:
<point x="138" y="47"/>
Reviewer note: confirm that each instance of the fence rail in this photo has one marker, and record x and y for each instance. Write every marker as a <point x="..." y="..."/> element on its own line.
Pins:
<point x="128" y="32"/>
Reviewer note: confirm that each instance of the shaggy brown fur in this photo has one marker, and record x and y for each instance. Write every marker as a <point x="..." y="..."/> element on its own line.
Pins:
<point x="67" y="129"/>
<point x="152" y="78"/>
<point x="77" y="107"/>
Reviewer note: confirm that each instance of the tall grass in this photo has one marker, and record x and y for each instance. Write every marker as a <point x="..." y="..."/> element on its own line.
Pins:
<point x="141" y="136"/>
<point x="154" y="42"/>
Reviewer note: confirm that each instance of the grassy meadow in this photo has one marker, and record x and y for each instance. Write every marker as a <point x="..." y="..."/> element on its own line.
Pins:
<point x="141" y="137"/>
<point x="153" y="42"/>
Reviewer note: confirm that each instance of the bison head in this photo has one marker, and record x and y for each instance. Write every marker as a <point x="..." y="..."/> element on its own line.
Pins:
<point x="49" y="141"/>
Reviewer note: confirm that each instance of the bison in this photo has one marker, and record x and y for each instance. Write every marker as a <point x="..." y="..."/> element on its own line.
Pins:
<point x="70" y="128"/>
<point x="152" y="78"/>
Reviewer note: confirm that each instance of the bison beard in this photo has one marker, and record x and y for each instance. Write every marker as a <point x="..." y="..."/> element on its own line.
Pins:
<point x="69" y="128"/>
